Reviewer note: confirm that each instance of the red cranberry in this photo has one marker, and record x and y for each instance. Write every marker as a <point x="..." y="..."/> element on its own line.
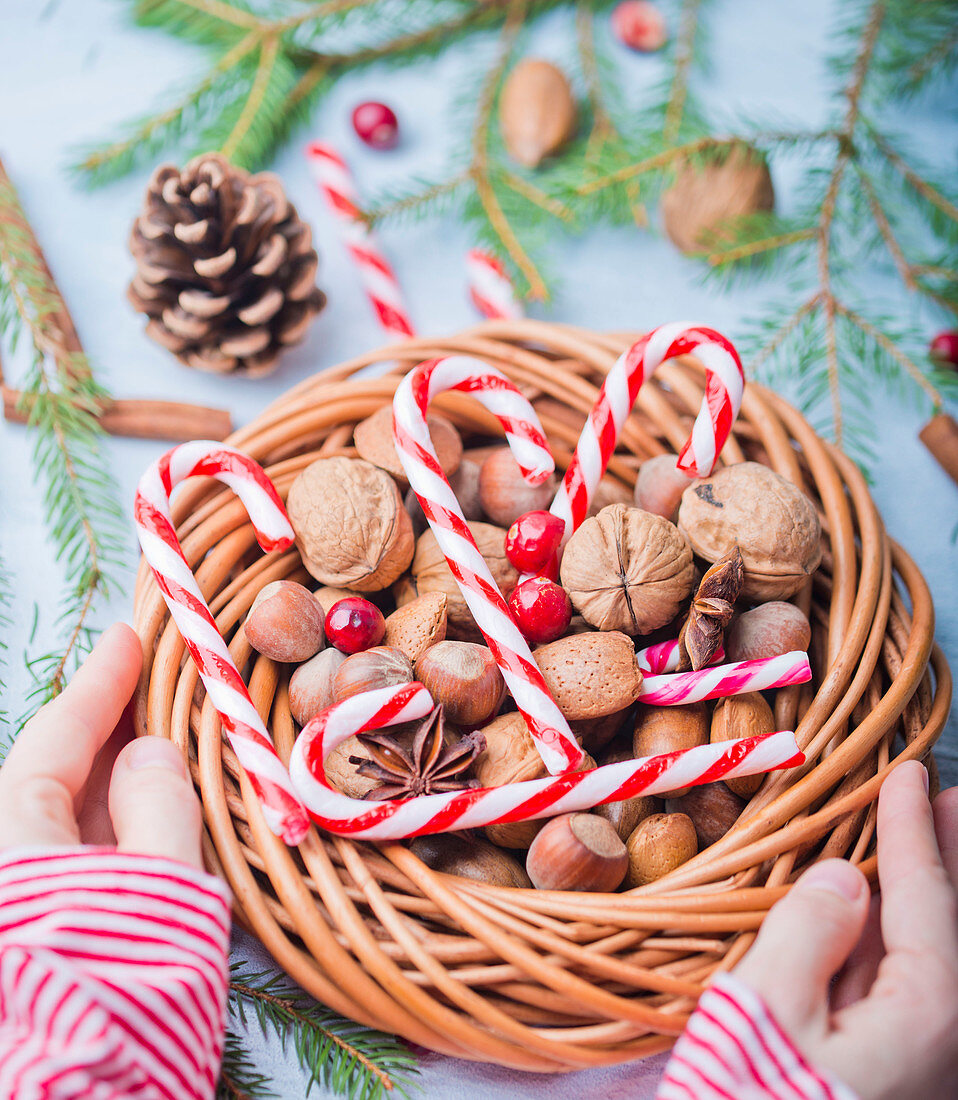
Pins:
<point x="639" y="25"/>
<point x="533" y="540"/>
<point x="376" y="125"/>
<point x="354" y="624"/>
<point x="542" y="609"/>
<point x="944" y="348"/>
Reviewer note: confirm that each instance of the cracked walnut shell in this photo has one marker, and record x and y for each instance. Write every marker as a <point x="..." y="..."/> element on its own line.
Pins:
<point x="628" y="570"/>
<point x="351" y="527"/>
<point x="773" y="523"/>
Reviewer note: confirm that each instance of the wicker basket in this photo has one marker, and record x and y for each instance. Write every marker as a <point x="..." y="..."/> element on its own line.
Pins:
<point x="536" y="980"/>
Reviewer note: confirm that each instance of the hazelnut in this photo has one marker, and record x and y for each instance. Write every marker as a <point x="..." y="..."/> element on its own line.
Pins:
<point x="659" y="486"/>
<point x="658" y="845"/>
<point x="577" y="852"/>
<point x="465" y="484"/>
<point x="327" y="596"/>
<point x="351" y="527"/>
<point x="417" y="625"/>
<point x="666" y="729"/>
<point x="591" y="675"/>
<point x="380" y="667"/>
<point x="455" y="854"/>
<point x="713" y="810"/>
<point x="431" y="573"/>
<point x="537" y="111"/>
<point x="629" y="570"/>
<point x="374" y="442"/>
<point x="768" y="631"/>
<point x="285" y="622"/>
<point x="742" y="716"/>
<point x="773" y="523"/>
<point x="609" y="491"/>
<point x="311" y="685"/>
<point x="627" y="813"/>
<point x="464" y="679"/>
<point x="505" y="494"/>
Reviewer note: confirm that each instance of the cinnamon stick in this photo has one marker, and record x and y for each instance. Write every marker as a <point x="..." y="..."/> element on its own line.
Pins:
<point x="940" y="436"/>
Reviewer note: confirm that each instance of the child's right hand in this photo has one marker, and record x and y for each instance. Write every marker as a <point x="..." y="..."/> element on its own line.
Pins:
<point x="74" y="776"/>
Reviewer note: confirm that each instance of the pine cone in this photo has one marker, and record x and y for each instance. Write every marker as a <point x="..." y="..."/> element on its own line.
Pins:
<point x="225" y="268"/>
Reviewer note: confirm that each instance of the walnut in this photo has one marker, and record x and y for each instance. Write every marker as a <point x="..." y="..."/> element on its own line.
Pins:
<point x="431" y="573"/>
<point x="343" y="775"/>
<point x="629" y="570"/>
<point x="350" y="523"/>
<point x="773" y="523"/>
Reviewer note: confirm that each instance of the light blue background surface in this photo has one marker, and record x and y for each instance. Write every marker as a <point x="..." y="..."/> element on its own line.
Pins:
<point x="72" y="72"/>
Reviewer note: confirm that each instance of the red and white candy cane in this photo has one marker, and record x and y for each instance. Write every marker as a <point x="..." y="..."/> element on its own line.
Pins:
<point x="718" y="681"/>
<point x="490" y="288"/>
<point x="725" y="382"/>
<point x="335" y="181"/>
<point x="471" y="809"/>
<point x="247" y="734"/>
<point x="666" y="656"/>
<point x="550" y="731"/>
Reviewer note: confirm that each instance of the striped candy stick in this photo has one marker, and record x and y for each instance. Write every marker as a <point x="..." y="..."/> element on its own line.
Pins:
<point x="244" y="728"/>
<point x="725" y="382"/>
<point x="490" y="288"/>
<point x="719" y="681"/>
<point x="470" y="809"/>
<point x="550" y="731"/>
<point x="335" y="182"/>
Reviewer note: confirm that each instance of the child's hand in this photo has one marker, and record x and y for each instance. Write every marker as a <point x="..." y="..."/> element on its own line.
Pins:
<point x="889" y="1025"/>
<point x="56" y="786"/>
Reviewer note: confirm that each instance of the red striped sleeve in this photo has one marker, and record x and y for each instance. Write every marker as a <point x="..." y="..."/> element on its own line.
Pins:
<point x="734" y="1049"/>
<point x="113" y="976"/>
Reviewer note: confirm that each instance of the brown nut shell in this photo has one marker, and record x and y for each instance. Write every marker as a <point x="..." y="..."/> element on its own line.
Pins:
<point x="668" y="729"/>
<point x="577" y="852"/>
<point x="417" y="625"/>
<point x="464" y="679"/>
<point x="713" y="810"/>
<point x="505" y="494"/>
<point x="380" y="666"/>
<point x="343" y="774"/>
<point x="745" y="715"/>
<point x="327" y="596"/>
<point x="626" y="814"/>
<point x="768" y="631"/>
<point x="537" y="111"/>
<point x="285" y="622"/>
<point x="629" y="570"/>
<point x="374" y="442"/>
<point x="468" y="857"/>
<point x="351" y="527"/>
<point x="311" y="685"/>
<point x="659" y="486"/>
<point x="431" y="573"/>
<point x="591" y="675"/>
<point x="658" y="845"/>
<point x="773" y="523"/>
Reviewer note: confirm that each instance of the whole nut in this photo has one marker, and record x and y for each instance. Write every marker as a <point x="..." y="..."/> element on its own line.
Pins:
<point x="327" y="596"/>
<point x="667" y="729"/>
<point x="745" y="715"/>
<point x="767" y="631"/>
<point x="374" y="442"/>
<point x="404" y="590"/>
<point x="417" y="625"/>
<point x="609" y="491"/>
<point x="455" y="854"/>
<point x="464" y="679"/>
<point x="593" y="734"/>
<point x="285" y="622"/>
<point x="511" y="756"/>
<point x="659" y="486"/>
<point x="591" y="675"/>
<point x="577" y="852"/>
<point x="658" y="845"/>
<point x="351" y="527"/>
<point x="465" y="484"/>
<point x="626" y="569"/>
<point x="537" y="111"/>
<point x="311" y="685"/>
<point x="773" y="523"/>
<point x="431" y="573"/>
<point x="380" y="667"/>
<point x="343" y="774"/>
<point x="505" y="494"/>
<point x="627" y="813"/>
<point x="713" y="810"/>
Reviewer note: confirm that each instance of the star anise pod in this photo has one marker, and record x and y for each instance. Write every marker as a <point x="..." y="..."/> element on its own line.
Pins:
<point x="712" y="608"/>
<point x="428" y="766"/>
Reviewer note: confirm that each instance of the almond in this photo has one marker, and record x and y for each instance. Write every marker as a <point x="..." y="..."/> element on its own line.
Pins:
<point x="591" y="675"/>
<point x="417" y="625"/>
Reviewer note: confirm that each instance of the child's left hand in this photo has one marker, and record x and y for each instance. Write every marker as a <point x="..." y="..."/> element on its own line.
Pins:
<point x="74" y="776"/>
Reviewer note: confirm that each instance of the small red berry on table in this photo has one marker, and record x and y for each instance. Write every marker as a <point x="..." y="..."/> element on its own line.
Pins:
<point x="639" y="25"/>
<point x="354" y="625"/>
<point x="944" y="348"/>
<point x="532" y="542"/>
<point x="542" y="609"/>
<point x="376" y="125"/>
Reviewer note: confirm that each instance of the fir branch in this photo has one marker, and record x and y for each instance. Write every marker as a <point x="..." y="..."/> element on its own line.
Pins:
<point x="239" y="1079"/>
<point x="684" y="54"/>
<point x="339" y="1054"/>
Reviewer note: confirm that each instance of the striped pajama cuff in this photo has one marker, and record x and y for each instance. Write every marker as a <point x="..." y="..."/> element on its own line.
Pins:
<point x="734" y="1049"/>
<point x="113" y="976"/>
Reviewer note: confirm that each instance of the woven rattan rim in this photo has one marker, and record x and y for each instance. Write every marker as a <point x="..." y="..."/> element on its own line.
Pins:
<point x="536" y="980"/>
